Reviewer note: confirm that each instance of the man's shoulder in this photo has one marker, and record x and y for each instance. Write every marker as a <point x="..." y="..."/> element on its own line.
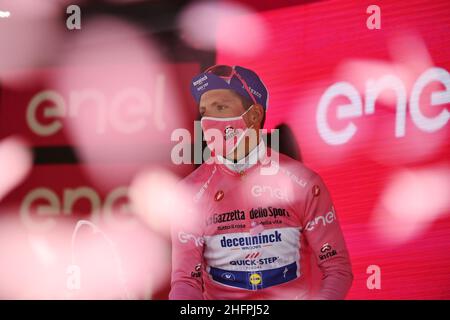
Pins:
<point x="198" y="181"/>
<point x="296" y="170"/>
<point x="199" y="175"/>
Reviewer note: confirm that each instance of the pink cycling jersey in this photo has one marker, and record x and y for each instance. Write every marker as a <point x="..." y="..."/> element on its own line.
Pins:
<point x="264" y="229"/>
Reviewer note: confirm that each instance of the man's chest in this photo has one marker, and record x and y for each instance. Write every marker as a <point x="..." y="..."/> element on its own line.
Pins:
<point x="248" y="204"/>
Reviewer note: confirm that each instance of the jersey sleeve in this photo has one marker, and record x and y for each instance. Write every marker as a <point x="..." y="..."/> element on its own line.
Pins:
<point x="187" y="256"/>
<point x="324" y="236"/>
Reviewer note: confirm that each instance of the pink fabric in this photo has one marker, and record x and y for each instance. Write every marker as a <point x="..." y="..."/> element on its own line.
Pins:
<point x="224" y="134"/>
<point x="259" y="236"/>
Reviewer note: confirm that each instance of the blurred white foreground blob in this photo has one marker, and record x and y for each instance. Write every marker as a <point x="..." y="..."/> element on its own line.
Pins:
<point x="120" y="103"/>
<point x="159" y="200"/>
<point x="412" y="201"/>
<point x="223" y="26"/>
<point x="15" y="163"/>
<point x="29" y="37"/>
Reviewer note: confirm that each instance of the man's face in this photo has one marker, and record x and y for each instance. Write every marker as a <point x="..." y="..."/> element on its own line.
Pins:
<point x="220" y="103"/>
<point x="224" y="103"/>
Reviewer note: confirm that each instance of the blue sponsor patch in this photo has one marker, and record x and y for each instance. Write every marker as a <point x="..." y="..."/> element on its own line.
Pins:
<point x="255" y="280"/>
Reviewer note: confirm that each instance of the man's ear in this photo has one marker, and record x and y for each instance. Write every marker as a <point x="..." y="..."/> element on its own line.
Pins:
<point x="256" y="114"/>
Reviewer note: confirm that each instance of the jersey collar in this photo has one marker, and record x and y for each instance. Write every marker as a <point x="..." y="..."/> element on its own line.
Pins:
<point x="257" y="154"/>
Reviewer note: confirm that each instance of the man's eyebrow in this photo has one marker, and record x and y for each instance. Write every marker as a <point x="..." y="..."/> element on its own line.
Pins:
<point x="216" y="102"/>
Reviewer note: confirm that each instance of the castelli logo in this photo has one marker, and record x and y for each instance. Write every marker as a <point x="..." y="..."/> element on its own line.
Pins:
<point x="327" y="251"/>
<point x="219" y="195"/>
<point x="315" y="190"/>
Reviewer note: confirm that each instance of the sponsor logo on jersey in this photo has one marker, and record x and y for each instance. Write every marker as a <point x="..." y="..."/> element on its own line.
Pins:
<point x="228" y="276"/>
<point x="184" y="237"/>
<point x="226" y="217"/>
<point x="260" y="190"/>
<point x="255" y="278"/>
<point x="315" y="190"/>
<point x="230" y="132"/>
<point x="325" y="248"/>
<point x="233" y="226"/>
<point x="268" y="212"/>
<point x="254" y="262"/>
<point x="202" y="190"/>
<point x="323" y="220"/>
<point x="197" y="273"/>
<point x="253" y="255"/>
<point x="327" y="252"/>
<point x="219" y="195"/>
<point x="257" y="240"/>
<point x="300" y="181"/>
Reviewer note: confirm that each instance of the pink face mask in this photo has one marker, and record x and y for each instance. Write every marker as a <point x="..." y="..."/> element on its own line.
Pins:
<point x="223" y="135"/>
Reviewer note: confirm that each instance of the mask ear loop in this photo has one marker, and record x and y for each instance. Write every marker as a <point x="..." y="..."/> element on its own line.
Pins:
<point x="246" y="112"/>
<point x="245" y="132"/>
